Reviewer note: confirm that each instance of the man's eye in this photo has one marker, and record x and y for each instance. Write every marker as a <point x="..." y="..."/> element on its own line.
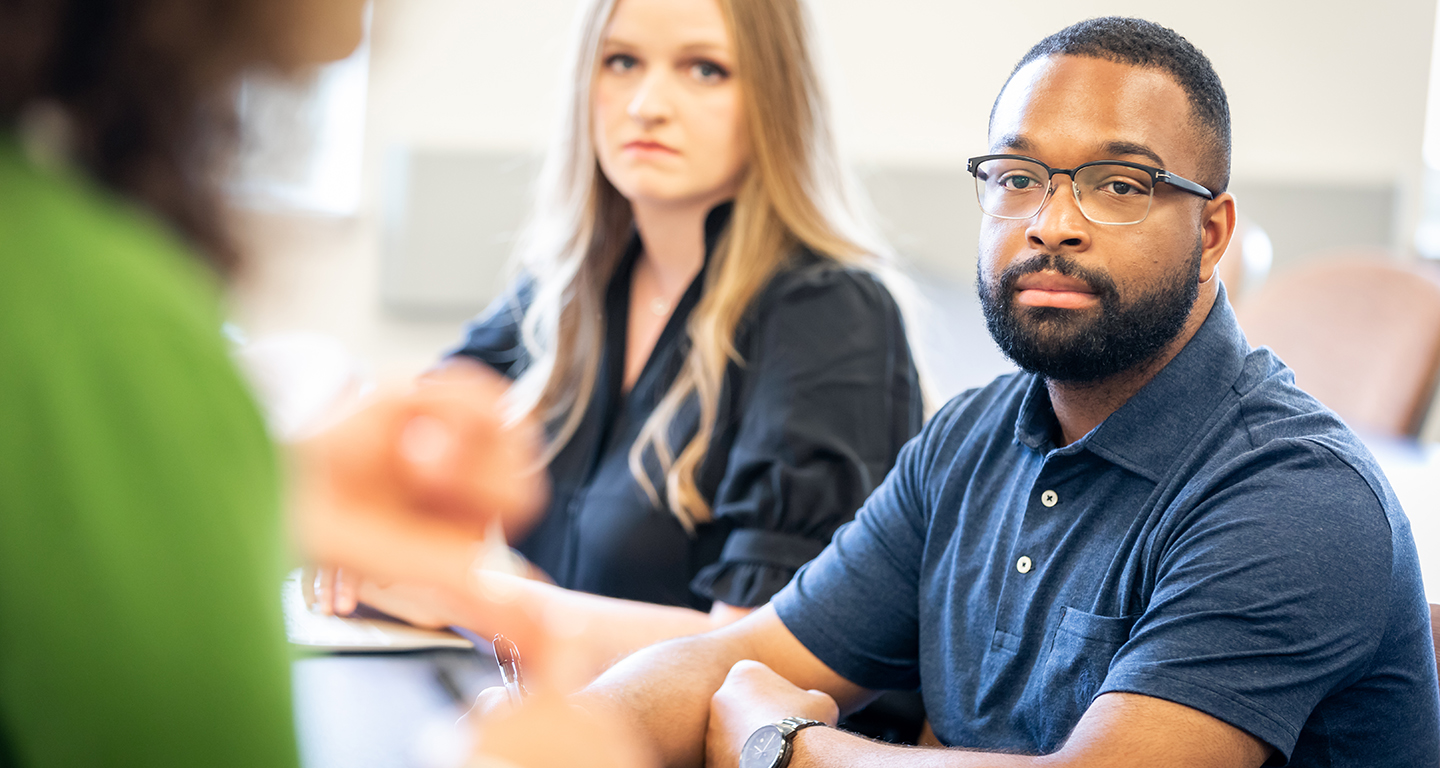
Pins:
<point x="620" y="63"/>
<point x="1122" y="188"/>
<point x="1018" y="183"/>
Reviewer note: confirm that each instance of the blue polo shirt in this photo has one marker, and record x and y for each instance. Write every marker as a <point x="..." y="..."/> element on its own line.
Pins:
<point x="1222" y="541"/>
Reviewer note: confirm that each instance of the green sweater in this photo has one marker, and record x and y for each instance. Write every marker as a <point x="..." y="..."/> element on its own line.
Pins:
<point x="140" y="546"/>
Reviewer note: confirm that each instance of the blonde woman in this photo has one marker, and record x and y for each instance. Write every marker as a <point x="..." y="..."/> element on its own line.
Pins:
<point x="700" y="322"/>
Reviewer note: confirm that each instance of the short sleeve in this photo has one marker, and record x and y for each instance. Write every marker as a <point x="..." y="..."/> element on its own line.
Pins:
<point x="493" y="337"/>
<point x="829" y="396"/>
<point x="1267" y="598"/>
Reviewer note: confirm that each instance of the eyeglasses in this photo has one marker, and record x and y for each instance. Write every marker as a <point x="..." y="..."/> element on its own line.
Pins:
<point x="1107" y="191"/>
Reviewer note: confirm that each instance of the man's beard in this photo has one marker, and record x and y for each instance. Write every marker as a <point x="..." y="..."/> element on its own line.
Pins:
<point x="1068" y="345"/>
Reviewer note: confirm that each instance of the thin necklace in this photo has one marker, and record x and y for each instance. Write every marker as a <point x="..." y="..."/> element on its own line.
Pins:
<point x="658" y="306"/>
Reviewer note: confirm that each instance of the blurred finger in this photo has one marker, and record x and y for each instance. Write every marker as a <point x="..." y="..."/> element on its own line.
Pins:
<point x="346" y="586"/>
<point x="308" y="575"/>
<point x="491" y="702"/>
<point x="325" y="591"/>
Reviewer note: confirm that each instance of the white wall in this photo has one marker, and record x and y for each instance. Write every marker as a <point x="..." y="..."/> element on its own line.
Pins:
<point x="1313" y="86"/>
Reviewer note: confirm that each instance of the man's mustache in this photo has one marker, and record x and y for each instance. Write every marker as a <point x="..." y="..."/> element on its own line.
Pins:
<point x="1097" y="281"/>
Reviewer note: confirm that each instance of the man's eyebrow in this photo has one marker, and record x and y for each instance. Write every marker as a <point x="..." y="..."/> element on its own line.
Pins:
<point x="1112" y="149"/>
<point x="1012" y="141"/>
<point x="1122" y="148"/>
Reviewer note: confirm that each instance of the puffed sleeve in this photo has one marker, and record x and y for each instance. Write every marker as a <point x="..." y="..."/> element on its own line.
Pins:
<point x="828" y="396"/>
<point x="493" y="337"/>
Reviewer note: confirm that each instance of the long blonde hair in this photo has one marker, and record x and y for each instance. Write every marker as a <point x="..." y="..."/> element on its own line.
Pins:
<point x="794" y="192"/>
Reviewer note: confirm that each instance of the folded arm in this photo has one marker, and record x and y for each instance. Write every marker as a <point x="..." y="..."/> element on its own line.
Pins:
<point x="680" y="692"/>
<point x="1119" y="729"/>
<point x="665" y="690"/>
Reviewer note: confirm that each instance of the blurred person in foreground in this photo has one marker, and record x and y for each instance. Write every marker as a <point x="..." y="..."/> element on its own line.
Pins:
<point x="1147" y="548"/>
<point x="702" y="325"/>
<point x="140" y="539"/>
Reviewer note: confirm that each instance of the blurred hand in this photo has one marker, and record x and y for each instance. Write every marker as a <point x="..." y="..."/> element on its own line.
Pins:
<point x="549" y="732"/>
<point x="754" y="695"/>
<point x="422" y="605"/>
<point x="406" y="487"/>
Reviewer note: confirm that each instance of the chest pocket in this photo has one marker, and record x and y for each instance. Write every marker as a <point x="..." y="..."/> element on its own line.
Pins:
<point x="1079" y="658"/>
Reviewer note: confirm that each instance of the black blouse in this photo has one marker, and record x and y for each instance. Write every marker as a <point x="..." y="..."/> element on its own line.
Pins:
<point x="807" y="427"/>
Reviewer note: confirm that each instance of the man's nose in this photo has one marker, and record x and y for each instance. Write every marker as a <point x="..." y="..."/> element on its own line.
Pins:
<point x="1059" y="223"/>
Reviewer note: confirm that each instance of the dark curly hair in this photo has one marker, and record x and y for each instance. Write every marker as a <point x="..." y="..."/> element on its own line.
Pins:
<point x="1142" y="43"/>
<point x="148" y="87"/>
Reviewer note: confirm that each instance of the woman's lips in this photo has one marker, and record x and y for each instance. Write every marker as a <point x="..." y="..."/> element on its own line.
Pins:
<point x="1051" y="289"/>
<point x="649" y="147"/>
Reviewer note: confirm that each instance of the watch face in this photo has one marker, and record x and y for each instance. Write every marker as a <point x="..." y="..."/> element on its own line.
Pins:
<point x="763" y="749"/>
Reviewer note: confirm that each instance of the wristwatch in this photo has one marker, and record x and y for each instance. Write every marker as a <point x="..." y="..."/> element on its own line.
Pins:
<point x="769" y="746"/>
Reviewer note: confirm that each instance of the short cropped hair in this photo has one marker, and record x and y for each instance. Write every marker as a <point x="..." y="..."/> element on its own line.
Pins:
<point x="1145" y="44"/>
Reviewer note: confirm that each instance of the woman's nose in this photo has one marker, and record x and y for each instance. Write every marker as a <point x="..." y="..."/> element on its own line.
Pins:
<point x="651" y="103"/>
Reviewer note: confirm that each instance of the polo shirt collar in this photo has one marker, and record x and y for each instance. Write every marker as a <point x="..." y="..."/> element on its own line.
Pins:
<point x="1152" y="428"/>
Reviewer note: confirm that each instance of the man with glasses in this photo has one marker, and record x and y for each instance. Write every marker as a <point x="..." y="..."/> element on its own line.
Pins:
<point x="1149" y="548"/>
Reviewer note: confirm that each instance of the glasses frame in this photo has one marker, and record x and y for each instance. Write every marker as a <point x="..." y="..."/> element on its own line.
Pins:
<point x="1157" y="176"/>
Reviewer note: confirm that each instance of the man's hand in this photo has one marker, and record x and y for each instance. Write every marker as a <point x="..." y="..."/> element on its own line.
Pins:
<point x="754" y="695"/>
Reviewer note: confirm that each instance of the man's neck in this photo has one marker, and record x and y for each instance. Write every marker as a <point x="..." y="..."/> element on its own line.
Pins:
<point x="1081" y="407"/>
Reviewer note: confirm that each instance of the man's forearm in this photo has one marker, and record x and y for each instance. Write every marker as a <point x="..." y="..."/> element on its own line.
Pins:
<point x="831" y="748"/>
<point x="664" y="692"/>
<point x="1118" y="729"/>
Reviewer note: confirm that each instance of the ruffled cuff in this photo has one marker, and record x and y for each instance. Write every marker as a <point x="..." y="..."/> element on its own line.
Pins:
<point x="754" y="566"/>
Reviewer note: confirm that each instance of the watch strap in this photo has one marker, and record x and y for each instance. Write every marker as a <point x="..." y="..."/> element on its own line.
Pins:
<point x="790" y="725"/>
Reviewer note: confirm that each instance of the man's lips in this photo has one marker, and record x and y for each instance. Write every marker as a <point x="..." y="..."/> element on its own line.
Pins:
<point x="1052" y="289"/>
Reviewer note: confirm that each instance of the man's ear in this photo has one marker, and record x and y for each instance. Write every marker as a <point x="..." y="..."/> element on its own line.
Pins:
<point x="1217" y="226"/>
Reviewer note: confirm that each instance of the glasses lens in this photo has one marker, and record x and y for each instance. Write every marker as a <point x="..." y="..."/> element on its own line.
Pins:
<point x="1114" y="194"/>
<point x="1011" y="188"/>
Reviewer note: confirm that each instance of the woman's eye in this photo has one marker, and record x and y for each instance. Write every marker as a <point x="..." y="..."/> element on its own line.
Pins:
<point x="709" y="72"/>
<point x="620" y="62"/>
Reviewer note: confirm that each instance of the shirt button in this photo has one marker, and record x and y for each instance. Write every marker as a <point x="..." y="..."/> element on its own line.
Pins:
<point x="1049" y="498"/>
<point x="1023" y="565"/>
